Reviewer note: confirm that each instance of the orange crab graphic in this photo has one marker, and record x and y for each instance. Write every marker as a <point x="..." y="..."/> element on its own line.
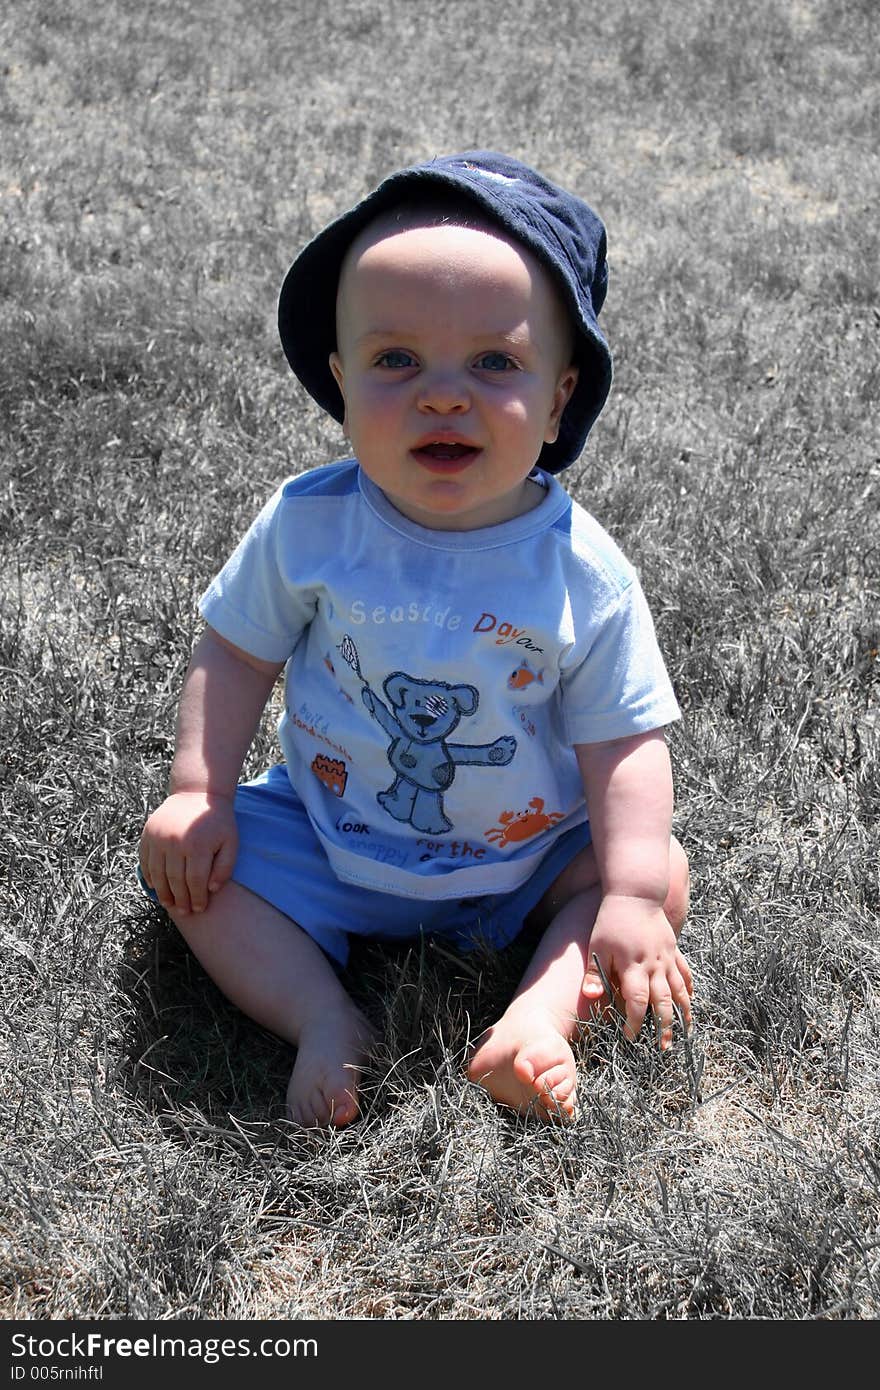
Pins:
<point x="522" y="825"/>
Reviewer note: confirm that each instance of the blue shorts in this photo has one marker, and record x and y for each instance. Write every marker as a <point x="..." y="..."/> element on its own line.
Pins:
<point x="281" y="859"/>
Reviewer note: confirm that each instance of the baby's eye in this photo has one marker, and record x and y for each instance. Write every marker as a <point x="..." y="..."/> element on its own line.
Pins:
<point x="395" y="358"/>
<point x="495" y="362"/>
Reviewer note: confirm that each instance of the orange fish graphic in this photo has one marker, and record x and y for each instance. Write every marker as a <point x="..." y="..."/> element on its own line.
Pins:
<point x="523" y="677"/>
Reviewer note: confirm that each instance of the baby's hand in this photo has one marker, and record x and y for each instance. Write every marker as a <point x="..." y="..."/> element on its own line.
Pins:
<point x="188" y="849"/>
<point x="637" y="949"/>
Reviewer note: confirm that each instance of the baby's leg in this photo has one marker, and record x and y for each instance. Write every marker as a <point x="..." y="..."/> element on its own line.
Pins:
<point x="273" y="971"/>
<point x="525" y="1060"/>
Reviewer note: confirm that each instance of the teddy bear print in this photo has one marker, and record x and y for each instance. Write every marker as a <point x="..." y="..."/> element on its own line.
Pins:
<point x="421" y="717"/>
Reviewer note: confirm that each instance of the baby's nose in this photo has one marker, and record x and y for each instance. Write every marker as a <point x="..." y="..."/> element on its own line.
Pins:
<point x="444" y="393"/>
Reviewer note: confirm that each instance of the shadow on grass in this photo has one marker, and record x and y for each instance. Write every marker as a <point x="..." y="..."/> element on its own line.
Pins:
<point x="187" y="1046"/>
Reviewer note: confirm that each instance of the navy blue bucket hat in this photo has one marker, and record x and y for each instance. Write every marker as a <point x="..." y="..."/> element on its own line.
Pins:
<point x="558" y="228"/>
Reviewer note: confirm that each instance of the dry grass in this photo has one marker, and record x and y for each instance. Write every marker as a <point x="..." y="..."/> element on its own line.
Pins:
<point x="159" y="166"/>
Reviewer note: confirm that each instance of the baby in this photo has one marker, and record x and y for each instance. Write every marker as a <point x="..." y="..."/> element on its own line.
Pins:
<point x="474" y="696"/>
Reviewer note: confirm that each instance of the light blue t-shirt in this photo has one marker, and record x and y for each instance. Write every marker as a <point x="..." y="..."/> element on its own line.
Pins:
<point x="437" y="681"/>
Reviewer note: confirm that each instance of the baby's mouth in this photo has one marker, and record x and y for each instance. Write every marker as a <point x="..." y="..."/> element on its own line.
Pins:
<point x="445" y="454"/>
<point x="441" y="450"/>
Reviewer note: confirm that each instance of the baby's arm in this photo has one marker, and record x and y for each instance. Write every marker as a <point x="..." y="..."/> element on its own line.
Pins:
<point x="628" y="786"/>
<point x="189" y="844"/>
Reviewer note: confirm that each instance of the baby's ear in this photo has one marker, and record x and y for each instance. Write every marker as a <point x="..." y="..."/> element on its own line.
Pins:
<point x="564" y="390"/>
<point x="335" y="362"/>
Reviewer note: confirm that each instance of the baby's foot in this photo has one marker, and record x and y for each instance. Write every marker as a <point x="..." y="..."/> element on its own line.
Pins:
<point x="323" y="1087"/>
<point x="525" y="1061"/>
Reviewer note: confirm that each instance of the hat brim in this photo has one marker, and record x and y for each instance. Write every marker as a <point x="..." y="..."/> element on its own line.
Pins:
<point x="307" y="304"/>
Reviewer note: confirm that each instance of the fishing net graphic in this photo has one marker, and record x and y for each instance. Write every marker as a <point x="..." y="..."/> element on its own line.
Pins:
<point x="349" y="653"/>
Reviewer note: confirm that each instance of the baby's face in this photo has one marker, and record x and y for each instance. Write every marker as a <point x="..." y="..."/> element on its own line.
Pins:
<point x="454" y="362"/>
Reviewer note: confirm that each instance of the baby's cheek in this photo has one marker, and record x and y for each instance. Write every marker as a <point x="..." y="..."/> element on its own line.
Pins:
<point x="376" y="409"/>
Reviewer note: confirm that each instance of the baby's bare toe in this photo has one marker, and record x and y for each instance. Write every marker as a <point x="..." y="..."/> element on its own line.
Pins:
<point x="527" y="1064"/>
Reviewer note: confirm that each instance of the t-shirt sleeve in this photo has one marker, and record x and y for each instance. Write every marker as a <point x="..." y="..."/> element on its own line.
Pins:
<point x="620" y="685"/>
<point x="255" y="601"/>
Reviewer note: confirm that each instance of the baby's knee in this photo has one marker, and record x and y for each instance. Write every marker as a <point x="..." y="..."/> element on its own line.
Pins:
<point x="678" y="898"/>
